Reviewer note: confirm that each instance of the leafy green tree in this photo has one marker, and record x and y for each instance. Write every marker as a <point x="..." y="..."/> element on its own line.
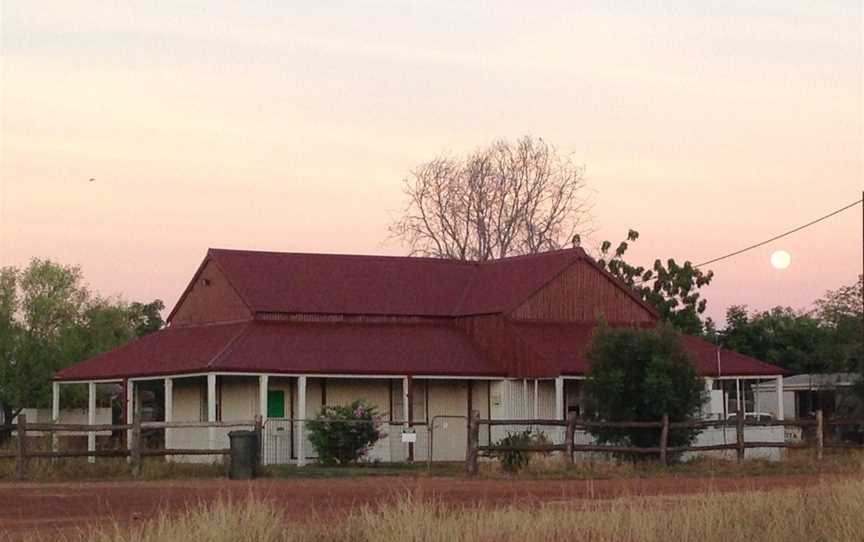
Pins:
<point x="825" y="339"/>
<point x="49" y="320"/>
<point x="670" y="287"/>
<point x="791" y="339"/>
<point x="842" y="312"/>
<point x="640" y="375"/>
<point x="147" y="317"/>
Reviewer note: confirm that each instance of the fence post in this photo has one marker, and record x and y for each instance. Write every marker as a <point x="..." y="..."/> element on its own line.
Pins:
<point x="664" y="439"/>
<point x="820" y="434"/>
<point x="259" y="437"/>
<point x="569" y="433"/>
<point x="135" y="449"/>
<point x="473" y="441"/>
<point x="21" y="457"/>
<point x="739" y="433"/>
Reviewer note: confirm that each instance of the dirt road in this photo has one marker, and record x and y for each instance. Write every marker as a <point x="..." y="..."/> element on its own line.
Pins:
<point x="68" y="506"/>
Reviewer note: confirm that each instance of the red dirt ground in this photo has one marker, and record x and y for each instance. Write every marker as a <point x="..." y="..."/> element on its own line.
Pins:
<point x="24" y="507"/>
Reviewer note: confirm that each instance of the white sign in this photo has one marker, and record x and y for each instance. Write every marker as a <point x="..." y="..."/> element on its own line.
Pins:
<point x="408" y="435"/>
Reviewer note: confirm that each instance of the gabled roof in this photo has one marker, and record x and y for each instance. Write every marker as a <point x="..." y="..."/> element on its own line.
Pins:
<point x="285" y="282"/>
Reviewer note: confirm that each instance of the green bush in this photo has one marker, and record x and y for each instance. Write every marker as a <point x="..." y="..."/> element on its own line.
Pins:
<point x="516" y="460"/>
<point x="639" y="375"/>
<point x="344" y="434"/>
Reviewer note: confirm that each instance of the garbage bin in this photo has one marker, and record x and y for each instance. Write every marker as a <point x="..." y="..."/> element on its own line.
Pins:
<point x="244" y="454"/>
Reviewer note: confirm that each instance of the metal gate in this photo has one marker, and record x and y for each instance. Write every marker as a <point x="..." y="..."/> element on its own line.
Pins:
<point x="277" y="447"/>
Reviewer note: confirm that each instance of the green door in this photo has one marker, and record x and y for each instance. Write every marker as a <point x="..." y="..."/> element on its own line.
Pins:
<point x="275" y="404"/>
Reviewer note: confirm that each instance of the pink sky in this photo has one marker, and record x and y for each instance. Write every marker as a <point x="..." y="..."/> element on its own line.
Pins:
<point x="290" y="128"/>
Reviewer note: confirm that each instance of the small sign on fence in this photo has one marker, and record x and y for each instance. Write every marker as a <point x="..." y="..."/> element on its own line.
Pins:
<point x="409" y="435"/>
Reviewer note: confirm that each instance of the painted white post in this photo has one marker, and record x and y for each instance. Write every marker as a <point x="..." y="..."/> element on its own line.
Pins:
<point x="91" y="419"/>
<point x="780" y="415"/>
<point x="169" y="411"/>
<point x="756" y="396"/>
<point x="559" y="398"/>
<point x="211" y="409"/>
<point x="707" y="411"/>
<point x="405" y="405"/>
<point x="130" y="407"/>
<point x="738" y="390"/>
<point x="55" y="411"/>
<point x="301" y="425"/>
<point x="263" y="384"/>
<point x="406" y="410"/>
<point x="536" y="399"/>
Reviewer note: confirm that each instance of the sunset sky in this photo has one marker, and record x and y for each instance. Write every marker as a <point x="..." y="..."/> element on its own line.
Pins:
<point x="289" y="126"/>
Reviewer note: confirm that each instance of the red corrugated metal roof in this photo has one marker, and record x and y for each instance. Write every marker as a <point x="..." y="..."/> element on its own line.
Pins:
<point x="327" y="283"/>
<point x="284" y="347"/>
<point x="564" y="345"/>
<point x="168" y="351"/>
<point x="379" y="285"/>
<point x="501" y="285"/>
<point x="386" y="349"/>
<point x="393" y="349"/>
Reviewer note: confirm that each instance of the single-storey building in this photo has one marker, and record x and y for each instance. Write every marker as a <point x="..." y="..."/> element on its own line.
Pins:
<point x="804" y="394"/>
<point x="425" y="340"/>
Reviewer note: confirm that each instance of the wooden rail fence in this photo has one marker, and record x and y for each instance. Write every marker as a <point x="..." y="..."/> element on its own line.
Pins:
<point x="135" y="451"/>
<point x="572" y="424"/>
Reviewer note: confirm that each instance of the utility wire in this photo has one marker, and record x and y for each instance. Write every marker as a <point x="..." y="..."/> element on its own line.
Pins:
<point x="784" y="234"/>
<point x="765" y="242"/>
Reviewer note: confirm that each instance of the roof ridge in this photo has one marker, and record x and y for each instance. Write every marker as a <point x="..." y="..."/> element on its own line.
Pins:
<point x="578" y="251"/>
<point x="411" y="259"/>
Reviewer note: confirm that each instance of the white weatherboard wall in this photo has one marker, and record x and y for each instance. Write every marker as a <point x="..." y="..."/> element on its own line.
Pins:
<point x="398" y="449"/>
<point x="448" y="398"/>
<point x="514" y="399"/>
<point x="313" y="407"/>
<point x="343" y="392"/>
<point x="74" y="416"/>
<point x="189" y="398"/>
<point x="239" y="402"/>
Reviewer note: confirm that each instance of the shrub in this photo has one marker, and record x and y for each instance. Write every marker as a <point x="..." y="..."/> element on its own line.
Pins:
<point x="344" y="434"/>
<point x="639" y="375"/>
<point x="516" y="460"/>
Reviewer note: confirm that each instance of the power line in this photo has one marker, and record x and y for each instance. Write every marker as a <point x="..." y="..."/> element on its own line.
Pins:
<point x="765" y="242"/>
<point x="784" y="234"/>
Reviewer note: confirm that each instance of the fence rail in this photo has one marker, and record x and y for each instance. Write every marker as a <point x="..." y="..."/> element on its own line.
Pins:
<point x="573" y="424"/>
<point x="135" y="450"/>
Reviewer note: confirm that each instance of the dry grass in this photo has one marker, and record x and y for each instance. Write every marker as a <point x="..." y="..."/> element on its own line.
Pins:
<point x="78" y="469"/>
<point x="828" y="511"/>
<point x="554" y="467"/>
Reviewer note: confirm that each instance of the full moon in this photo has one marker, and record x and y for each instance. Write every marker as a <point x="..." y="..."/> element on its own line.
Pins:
<point x="781" y="259"/>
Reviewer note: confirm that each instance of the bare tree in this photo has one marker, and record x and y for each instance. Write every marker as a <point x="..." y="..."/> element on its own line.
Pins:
<point x="503" y="200"/>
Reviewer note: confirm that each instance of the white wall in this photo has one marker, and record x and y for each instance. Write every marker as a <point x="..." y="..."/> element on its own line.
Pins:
<point x="189" y="398"/>
<point x="70" y="416"/>
<point x="376" y="392"/>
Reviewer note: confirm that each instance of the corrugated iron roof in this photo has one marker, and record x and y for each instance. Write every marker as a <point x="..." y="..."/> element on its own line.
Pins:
<point x="385" y="349"/>
<point x="286" y="347"/>
<point x="391" y="349"/>
<point x="173" y="350"/>
<point x="564" y="345"/>
<point x="386" y="285"/>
